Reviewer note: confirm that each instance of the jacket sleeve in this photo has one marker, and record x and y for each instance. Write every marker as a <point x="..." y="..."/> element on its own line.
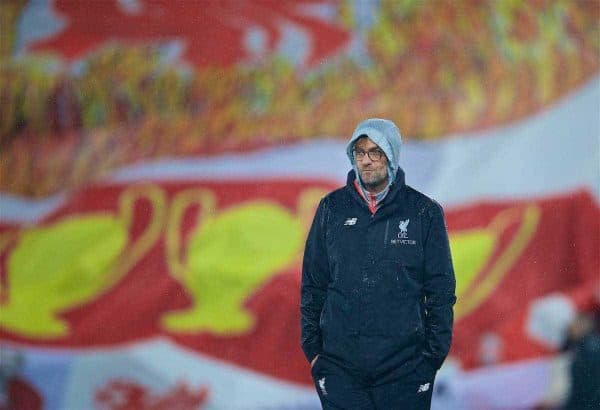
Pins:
<point x="439" y="288"/>
<point x="315" y="278"/>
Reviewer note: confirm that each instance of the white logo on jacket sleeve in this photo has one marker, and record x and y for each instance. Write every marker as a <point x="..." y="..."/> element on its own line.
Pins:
<point x="423" y="388"/>
<point x="322" y="386"/>
<point x="351" y="221"/>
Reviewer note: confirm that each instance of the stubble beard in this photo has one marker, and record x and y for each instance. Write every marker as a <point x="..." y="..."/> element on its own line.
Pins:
<point x="374" y="181"/>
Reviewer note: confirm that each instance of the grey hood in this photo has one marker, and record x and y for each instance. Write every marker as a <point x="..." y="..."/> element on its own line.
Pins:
<point x="386" y="135"/>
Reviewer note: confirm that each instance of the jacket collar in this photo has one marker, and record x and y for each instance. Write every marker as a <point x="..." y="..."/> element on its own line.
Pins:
<point x="394" y="189"/>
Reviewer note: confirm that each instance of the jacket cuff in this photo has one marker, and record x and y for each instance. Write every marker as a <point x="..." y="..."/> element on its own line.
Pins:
<point x="311" y="350"/>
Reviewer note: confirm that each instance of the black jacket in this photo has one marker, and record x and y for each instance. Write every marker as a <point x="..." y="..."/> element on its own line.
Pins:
<point x="378" y="290"/>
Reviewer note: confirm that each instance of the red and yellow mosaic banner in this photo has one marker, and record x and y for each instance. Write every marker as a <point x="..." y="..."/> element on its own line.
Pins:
<point x="215" y="267"/>
<point x="240" y="80"/>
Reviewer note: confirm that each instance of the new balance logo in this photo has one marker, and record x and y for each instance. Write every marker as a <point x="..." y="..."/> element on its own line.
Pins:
<point x="423" y="388"/>
<point x="351" y="221"/>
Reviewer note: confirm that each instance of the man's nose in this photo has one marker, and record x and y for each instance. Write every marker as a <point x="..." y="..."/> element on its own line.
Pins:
<point x="366" y="159"/>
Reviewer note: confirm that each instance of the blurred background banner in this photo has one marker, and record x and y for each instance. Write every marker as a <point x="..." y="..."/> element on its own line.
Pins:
<point x="161" y="161"/>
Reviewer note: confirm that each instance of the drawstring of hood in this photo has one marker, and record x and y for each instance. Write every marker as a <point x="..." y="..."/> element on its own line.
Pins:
<point x="373" y="200"/>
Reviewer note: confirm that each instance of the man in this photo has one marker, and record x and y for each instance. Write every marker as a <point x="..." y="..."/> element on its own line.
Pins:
<point x="584" y="370"/>
<point x="377" y="284"/>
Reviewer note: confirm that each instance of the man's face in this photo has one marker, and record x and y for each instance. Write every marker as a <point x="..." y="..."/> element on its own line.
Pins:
<point x="373" y="174"/>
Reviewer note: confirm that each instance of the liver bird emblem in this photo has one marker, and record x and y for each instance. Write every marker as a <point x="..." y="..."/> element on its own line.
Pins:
<point x="404" y="226"/>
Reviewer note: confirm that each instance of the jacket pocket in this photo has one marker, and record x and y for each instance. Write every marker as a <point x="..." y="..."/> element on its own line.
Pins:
<point x="323" y="322"/>
<point x="322" y="319"/>
<point x="315" y="365"/>
<point x="409" y="256"/>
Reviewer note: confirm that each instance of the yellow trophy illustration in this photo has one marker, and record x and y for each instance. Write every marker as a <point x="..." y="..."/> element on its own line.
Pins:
<point x="473" y="248"/>
<point x="62" y="265"/>
<point x="229" y="255"/>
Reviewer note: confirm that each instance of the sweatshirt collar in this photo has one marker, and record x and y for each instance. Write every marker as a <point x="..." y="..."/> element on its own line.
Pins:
<point x="375" y="201"/>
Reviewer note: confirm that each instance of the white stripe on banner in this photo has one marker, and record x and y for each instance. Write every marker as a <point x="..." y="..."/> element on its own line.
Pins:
<point x="158" y="366"/>
<point x="73" y="379"/>
<point x="47" y="371"/>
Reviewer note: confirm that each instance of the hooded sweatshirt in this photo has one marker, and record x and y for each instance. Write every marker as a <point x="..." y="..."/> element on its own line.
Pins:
<point x="387" y="136"/>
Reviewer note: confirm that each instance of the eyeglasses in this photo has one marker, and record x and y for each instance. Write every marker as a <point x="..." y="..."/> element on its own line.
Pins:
<point x="374" y="155"/>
